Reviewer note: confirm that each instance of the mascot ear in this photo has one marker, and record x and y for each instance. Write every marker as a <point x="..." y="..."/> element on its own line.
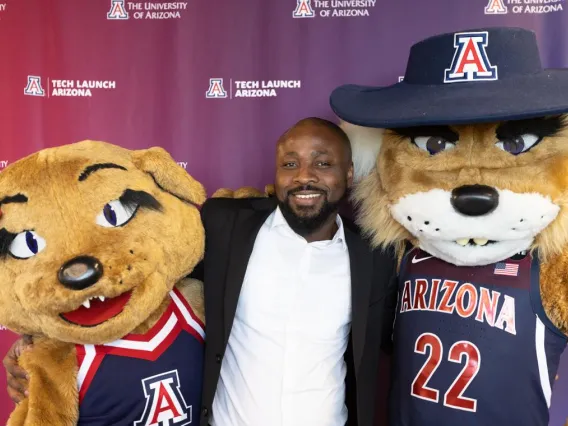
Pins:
<point x="365" y="147"/>
<point x="169" y="175"/>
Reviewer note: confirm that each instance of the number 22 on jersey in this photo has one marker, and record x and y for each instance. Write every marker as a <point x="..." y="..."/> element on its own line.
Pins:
<point x="459" y="351"/>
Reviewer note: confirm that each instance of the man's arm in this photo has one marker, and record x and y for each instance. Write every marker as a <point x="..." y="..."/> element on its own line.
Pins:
<point x="373" y="379"/>
<point x="391" y="299"/>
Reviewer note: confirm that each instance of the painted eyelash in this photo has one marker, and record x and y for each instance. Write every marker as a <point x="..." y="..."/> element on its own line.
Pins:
<point x="133" y="199"/>
<point x="542" y="127"/>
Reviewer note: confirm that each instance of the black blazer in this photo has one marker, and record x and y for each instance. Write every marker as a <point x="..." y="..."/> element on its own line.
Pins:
<point x="231" y="227"/>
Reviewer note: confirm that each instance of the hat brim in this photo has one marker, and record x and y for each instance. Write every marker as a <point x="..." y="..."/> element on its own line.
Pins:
<point x="407" y="105"/>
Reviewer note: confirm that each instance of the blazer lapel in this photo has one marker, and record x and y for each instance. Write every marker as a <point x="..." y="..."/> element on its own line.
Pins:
<point x="245" y="229"/>
<point x="361" y="263"/>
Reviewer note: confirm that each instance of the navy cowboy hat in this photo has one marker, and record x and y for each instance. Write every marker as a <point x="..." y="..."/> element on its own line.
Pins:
<point x="471" y="76"/>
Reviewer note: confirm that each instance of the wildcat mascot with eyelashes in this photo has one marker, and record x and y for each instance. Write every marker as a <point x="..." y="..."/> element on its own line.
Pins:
<point x="96" y="243"/>
<point x="464" y="167"/>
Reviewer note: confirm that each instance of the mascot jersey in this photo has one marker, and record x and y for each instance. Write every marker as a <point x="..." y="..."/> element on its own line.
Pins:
<point x="145" y="380"/>
<point x="473" y="345"/>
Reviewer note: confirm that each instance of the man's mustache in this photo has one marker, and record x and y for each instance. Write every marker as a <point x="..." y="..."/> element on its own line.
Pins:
<point x="305" y="188"/>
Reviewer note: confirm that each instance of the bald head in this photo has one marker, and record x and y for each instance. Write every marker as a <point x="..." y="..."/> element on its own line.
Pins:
<point x="320" y="127"/>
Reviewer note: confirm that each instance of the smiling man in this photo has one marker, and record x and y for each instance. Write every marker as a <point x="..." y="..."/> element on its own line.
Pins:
<point x="313" y="171"/>
<point x="294" y="297"/>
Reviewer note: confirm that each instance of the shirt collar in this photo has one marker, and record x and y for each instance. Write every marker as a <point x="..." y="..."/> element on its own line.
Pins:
<point x="277" y="219"/>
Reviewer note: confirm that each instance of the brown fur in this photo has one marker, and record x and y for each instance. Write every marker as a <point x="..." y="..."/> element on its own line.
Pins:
<point x="244" y="192"/>
<point x="404" y="169"/>
<point x="149" y="255"/>
<point x="193" y="292"/>
<point x="554" y="290"/>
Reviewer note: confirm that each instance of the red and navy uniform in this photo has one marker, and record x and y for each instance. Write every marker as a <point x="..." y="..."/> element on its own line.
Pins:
<point x="145" y="380"/>
<point x="473" y="345"/>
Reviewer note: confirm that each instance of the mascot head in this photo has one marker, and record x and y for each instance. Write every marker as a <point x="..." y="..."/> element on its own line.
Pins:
<point x="92" y="239"/>
<point x="467" y="157"/>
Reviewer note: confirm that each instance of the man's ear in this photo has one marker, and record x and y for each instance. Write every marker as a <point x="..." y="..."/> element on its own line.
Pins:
<point x="350" y="175"/>
<point x="169" y="175"/>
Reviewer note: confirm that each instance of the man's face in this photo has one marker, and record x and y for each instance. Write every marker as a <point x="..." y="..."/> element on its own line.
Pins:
<point x="313" y="171"/>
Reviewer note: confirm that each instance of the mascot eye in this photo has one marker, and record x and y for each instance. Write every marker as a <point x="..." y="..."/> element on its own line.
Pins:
<point x="433" y="144"/>
<point x="116" y="214"/>
<point x="26" y="244"/>
<point x="519" y="144"/>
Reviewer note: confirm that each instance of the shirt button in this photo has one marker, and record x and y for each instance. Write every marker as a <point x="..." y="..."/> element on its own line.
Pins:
<point x="205" y="411"/>
<point x="218" y="358"/>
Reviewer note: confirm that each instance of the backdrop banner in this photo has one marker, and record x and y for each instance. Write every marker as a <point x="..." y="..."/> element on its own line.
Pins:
<point x="216" y="83"/>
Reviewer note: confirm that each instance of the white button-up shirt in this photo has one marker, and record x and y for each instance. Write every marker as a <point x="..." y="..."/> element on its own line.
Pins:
<point x="284" y="365"/>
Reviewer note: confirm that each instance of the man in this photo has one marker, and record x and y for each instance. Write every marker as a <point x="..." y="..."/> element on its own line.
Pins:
<point x="295" y="299"/>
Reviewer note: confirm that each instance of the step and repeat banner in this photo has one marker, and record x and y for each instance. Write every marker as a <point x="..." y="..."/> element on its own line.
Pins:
<point x="217" y="82"/>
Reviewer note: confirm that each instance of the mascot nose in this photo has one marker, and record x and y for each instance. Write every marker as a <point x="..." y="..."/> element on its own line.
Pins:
<point x="475" y="200"/>
<point x="80" y="272"/>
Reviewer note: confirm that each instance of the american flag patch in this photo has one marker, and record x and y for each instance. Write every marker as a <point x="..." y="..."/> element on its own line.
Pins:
<point x="502" y="268"/>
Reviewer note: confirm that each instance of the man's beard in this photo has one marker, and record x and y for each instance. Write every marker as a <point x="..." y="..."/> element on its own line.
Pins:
<point x="306" y="225"/>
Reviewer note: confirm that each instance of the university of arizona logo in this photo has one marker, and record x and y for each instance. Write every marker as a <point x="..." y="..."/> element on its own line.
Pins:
<point x="165" y="405"/>
<point x="470" y="61"/>
<point x="117" y="10"/>
<point x="495" y="7"/>
<point x="216" y="89"/>
<point x="303" y="9"/>
<point x="33" y="88"/>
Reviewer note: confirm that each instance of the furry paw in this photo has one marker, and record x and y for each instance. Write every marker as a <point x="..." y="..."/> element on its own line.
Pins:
<point x="223" y="193"/>
<point x="244" y="192"/>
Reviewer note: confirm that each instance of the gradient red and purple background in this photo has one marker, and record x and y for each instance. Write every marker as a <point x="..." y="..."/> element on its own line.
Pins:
<point x="161" y="69"/>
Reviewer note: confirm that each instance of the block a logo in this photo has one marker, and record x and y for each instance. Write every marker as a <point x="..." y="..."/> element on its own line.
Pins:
<point x="164" y="402"/>
<point x="216" y="90"/>
<point x="117" y="10"/>
<point x="495" y="7"/>
<point x="33" y="88"/>
<point x="303" y="9"/>
<point x="470" y="61"/>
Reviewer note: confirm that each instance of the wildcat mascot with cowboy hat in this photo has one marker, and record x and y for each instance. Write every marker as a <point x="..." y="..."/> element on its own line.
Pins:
<point x="463" y="166"/>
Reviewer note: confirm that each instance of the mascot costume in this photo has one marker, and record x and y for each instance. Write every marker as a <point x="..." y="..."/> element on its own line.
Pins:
<point x="464" y="167"/>
<point x="95" y="242"/>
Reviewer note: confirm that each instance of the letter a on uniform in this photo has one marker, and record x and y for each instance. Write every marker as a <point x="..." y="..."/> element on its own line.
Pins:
<point x="117" y="10"/>
<point x="164" y="402"/>
<point x="470" y="61"/>
<point x="495" y="7"/>
<point x="216" y="89"/>
<point x="33" y="88"/>
<point x="303" y="9"/>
